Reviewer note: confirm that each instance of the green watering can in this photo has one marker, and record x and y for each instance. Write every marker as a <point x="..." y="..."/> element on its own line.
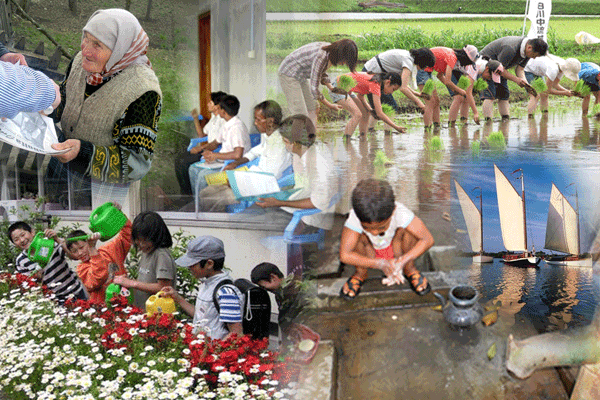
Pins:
<point x="40" y="249"/>
<point x="107" y="220"/>
<point x="113" y="289"/>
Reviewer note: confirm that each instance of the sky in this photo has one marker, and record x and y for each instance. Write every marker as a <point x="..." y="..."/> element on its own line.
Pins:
<point x="540" y="171"/>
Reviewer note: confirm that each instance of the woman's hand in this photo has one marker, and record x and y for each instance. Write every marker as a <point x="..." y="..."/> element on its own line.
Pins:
<point x="209" y="156"/>
<point x="72" y="145"/>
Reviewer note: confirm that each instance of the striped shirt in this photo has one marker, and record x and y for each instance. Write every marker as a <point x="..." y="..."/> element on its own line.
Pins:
<point x="308" y="62"/>
<point x="206" y="316"/>
<point x="23" y="89"/>
<point x="58" y="277"/>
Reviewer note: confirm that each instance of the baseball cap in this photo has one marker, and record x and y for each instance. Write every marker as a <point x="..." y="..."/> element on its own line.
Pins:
<point x="495" y="67"/>
<point x="472" y="52"/>
<point x="202" y="248"/>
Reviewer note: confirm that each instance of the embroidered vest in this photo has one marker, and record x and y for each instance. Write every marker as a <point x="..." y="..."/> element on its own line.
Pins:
<point x="94" y="119"/>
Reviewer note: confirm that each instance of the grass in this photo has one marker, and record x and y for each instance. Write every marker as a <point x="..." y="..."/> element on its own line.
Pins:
<point x="570" y="7"/>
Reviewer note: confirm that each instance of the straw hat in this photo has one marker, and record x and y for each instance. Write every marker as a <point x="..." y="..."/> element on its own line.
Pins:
<point x="570" y="67"/>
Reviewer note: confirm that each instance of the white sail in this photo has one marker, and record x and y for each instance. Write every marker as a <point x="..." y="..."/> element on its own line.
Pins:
<point x="472" y="217"/>
<point x="561" y="227"/>
<point x="512" y="215"/>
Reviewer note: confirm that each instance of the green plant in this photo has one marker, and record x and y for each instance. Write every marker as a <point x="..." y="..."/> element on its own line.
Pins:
<point x="595" y="111"/>
<point x="476" y="147"/>
<point x="582" y="88"/>
<point x="463" y="82"/>
<point x="480" y="85"/>
<point x="428" y="87"/>
<point x="539" y="84"/>
<point x="346" y="82"/>
<point x="388" y="110"/>
<point x="496" y="140"/>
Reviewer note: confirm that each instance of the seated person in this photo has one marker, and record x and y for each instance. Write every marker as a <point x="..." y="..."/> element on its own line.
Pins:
<point x="210" y="131"/>
<point x="234" y="140"/>
<point x="56" y="274"/>
<point x="94" y="268"/>
<point x="272" y="154"/>
<point x="315" y="174"/>
<point x="383" y="234"/>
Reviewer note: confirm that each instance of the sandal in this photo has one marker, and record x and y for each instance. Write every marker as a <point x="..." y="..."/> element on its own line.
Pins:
<point x="418" y="283"/>
<point x="354" y="284"/>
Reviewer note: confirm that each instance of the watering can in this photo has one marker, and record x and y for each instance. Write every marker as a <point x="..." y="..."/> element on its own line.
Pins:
<point x="462" y="310"/>
<point x="40" y="249"/>
<point x="113" y="290"/>
<point x="107" y="220"/>
<point x="157" y="304"/>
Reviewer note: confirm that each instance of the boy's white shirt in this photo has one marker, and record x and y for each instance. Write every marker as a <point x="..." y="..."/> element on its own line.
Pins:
<point x="401" y="218"/>
<point x="213" y="126"/>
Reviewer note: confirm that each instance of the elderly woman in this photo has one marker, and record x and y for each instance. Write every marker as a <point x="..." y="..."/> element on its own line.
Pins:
<point x="111" y="102"/>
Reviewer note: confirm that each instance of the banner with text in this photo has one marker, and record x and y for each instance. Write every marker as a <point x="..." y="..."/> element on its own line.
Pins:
<point x="539" y="15"/>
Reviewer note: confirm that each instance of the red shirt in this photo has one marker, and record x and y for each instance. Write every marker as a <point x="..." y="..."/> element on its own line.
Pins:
<point x="364" y="85"/>
<point x="444" y="57"/>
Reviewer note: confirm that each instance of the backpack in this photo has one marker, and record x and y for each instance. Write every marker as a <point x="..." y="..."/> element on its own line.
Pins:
<point x="256" y="310"/>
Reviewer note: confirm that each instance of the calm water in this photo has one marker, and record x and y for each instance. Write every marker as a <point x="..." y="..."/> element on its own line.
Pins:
<point x="551" y="297"/>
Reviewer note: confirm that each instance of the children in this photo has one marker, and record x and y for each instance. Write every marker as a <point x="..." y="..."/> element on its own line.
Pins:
<point x="211" y="131"/>
<point x="445" y="61"/>
<point x="205" y="258"/>
<point x="273" y="158"/>
<point x="156" y="268"/>
<point x="93" y="270"/>
<point x="56" y="274"/>
<point x="403" y="62"/>
<point x="234" y="140"/>
<point x="465" y="66"/>
<point x="590" y="74"/>
<point x="510" y="51"/>
<point x="383" y="234"/>
<point x="359" y="109"/>
<point x="551" y="68"/>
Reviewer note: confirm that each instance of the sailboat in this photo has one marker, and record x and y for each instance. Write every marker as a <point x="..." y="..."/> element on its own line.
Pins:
<point x="474" y="221"/>
<point x="562" y="231"/>
<point x="511" y="206"/>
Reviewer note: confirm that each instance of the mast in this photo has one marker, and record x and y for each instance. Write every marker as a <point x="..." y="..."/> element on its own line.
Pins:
<point x="480" y="216"/>
<point x="524" y="211"/>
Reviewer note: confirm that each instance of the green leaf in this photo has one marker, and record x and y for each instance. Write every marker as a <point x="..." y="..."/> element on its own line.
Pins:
<point x="491" y="353"/>
<point x="428" y="87"/>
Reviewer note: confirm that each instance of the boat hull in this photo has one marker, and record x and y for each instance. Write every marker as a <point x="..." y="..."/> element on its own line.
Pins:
<point x="572" y="262"/>
<point x="481" y="259"/>
<point x="522" y="261"/>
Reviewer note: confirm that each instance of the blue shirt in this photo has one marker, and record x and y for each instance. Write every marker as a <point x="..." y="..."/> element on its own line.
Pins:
<point x="589" y="72"/>
<point x="23" y="89"/>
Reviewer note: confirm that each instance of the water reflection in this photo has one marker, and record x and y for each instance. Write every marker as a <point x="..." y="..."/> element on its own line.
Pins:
<point x="550" y="297"/>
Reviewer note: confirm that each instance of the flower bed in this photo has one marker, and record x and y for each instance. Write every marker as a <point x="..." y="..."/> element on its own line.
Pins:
<point x="88" y="351"/>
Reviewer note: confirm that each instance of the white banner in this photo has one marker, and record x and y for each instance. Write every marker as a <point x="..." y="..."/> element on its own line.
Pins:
<point x="539" y="15"/>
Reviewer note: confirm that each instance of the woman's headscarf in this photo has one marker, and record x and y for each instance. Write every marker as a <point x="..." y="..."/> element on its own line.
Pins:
<point x="121" y="32"/>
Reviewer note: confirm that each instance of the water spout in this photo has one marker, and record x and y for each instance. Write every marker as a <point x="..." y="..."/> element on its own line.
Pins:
<point x="571" y="347"/>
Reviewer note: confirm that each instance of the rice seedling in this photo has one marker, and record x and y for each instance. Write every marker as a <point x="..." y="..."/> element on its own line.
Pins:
<point x="381" y="158"/>
<point x="346" y="82"/>
<point x="595" y="111"/>
<point x="476" y="147"/>
<point x="428" y="87"/>
<point x="463" y="82"/>
<point x="435" y="144"/>
<point x="539" y="84"/>
<point x="388" y="110"/>
<point x="582" y="88"/>
<point x="480" y="85"/>
<point x="496" y="140"/>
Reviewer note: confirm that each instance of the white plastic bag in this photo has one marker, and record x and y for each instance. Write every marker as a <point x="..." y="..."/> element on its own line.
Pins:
<point x="586" y="38"/>
<point x="30" y="131"/>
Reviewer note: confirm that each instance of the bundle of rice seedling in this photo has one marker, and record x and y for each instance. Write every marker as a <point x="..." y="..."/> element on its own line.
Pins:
<point x="480" y="85"/>
<point x="428" y="87"/>
<point x="596" y="111"/>
<point x="435" y="144"/>
<point x="582" y="88"/>
<point x="476" y="147"/>
<point x="463" y="82"/>
<point x="496" y="140"/>
<point x="346" y="82"/>
<point x="539" y="84"/>
<point x="388" y="110"/>
<point x="381" y="158"/>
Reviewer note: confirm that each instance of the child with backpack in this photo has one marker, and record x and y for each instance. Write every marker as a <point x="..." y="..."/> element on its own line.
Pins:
<point x="205" y="258"/>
